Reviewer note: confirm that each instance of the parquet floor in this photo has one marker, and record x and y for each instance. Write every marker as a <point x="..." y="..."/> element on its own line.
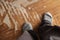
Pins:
<point x="31" y="13"/>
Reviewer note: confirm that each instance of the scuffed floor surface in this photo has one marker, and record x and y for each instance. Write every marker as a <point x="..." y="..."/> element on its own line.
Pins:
<point x="13" y="13"/>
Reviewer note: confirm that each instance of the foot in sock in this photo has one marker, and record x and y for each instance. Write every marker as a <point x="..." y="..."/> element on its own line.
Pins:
<point x="27" y="26"/>
<point x="47" y="19"/>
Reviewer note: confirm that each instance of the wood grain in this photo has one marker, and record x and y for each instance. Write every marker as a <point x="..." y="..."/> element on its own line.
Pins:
<point x="18" y="15"/>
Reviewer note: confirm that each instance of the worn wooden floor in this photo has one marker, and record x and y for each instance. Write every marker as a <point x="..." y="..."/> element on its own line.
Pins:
<point x="52" y="6"/>
<point x="34" y="15"/>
